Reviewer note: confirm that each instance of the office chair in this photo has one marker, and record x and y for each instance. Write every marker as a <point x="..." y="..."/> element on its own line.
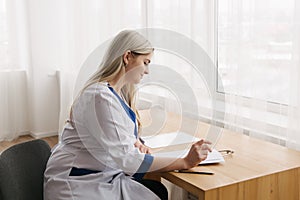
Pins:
<point x="22" y="169"/>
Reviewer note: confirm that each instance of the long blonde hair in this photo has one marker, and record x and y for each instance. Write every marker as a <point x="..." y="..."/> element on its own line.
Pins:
<point x="112" y="64"/>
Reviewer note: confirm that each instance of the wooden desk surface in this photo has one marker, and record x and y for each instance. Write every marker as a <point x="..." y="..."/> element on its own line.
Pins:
<point x="256" y="170"/>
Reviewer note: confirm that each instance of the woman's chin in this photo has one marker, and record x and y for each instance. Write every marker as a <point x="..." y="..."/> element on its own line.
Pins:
<point x="137" y="81"/>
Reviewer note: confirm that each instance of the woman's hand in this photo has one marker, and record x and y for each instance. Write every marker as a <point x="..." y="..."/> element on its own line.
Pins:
<point x="143" y="148"/>
<point x="198" y="152"/>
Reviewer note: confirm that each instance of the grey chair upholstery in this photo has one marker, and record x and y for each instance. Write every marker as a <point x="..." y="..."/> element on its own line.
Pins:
<point x="22" y="169"/>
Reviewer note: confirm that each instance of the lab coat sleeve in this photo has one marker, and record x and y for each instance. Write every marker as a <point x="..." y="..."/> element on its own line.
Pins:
<point x="105" y="119"/>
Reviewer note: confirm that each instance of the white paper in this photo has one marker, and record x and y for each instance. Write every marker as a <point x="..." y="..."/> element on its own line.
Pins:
<point x="168" y="139"/>
<point x="213" y="157"/>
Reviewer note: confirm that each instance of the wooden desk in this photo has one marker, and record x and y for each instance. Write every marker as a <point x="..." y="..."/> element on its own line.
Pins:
<point x="257" y="170"/>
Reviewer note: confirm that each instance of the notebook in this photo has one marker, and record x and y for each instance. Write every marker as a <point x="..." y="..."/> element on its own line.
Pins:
<point x="213" y="157"/>
<point x="175" y="138"/>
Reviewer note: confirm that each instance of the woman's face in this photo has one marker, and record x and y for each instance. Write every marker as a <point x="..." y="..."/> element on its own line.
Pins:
<point x="137" y="66"/>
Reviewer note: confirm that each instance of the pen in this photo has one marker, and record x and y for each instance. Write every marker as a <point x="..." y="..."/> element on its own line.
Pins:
<point x="194" y="172"/>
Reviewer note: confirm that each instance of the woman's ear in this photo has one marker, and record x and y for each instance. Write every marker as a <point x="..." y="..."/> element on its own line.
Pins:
<point x="126" y="57"/>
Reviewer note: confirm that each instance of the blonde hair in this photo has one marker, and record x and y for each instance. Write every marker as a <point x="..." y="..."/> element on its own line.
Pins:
<point x="112" y="64"/>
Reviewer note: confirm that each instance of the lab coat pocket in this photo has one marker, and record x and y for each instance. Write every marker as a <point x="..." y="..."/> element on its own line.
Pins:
<point x="93" y="187"/>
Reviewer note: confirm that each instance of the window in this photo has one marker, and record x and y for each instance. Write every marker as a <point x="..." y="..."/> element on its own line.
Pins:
<point x="255" y="48"/>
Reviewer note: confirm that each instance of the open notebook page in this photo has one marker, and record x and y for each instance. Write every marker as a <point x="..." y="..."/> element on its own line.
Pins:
<point x="213" y="157"/>
<point x="175" y="138"/>
<point x="168" y="139"/>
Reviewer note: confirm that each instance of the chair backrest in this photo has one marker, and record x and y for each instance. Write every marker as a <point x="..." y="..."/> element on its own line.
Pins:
<point x="22" y="169"/>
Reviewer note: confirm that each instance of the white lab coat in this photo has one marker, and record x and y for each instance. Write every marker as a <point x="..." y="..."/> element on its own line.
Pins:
<point x="102" y="140"/>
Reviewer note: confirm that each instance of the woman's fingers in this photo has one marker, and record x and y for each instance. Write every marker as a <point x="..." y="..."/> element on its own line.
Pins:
<point x="145" y="149"/>
<point x="204" y="144"/>
<point x="204" y="151"/>
<point x="142" y="149"/>
<point x="198" y="152"/>
<point x="201" y="142"/>
<point x="148" y="151"/>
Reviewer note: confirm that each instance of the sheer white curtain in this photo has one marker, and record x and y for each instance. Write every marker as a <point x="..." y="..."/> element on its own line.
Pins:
<point x="84" y="27"/>
<point x="293" y="133"/>
<point x="258" y="57"/>
<point x="14" y="62"/>
<point x="193" y="19"/>
<point x="77" y="27"/>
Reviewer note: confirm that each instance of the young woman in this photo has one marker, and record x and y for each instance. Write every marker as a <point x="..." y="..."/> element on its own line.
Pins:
<point x="100" y="155"/>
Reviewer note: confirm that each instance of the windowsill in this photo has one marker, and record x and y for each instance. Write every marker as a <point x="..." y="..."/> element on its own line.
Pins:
<point x="266" y="124"/>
